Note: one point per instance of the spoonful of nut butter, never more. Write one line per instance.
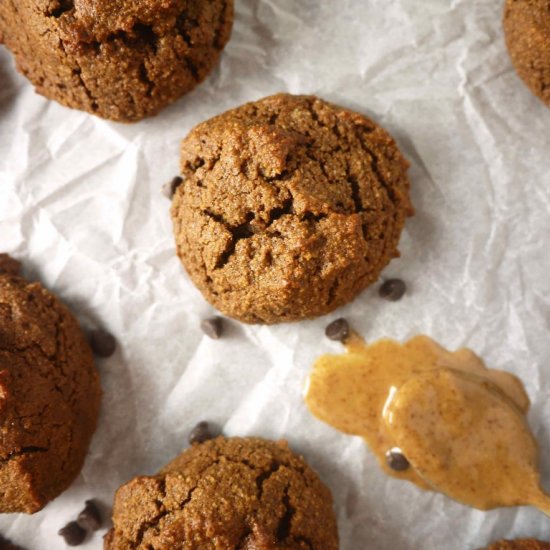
(440, 419)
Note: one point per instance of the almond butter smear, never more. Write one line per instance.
(460, 426)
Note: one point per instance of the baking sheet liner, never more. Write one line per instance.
(80, 204)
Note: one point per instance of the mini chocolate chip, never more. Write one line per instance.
(90, 517)
(396, 460)
(103, 343)
(393, 289)
(213, 327)
(338, 330)
(169, 189)
(9, 265)
(200, 433)
(73, 534)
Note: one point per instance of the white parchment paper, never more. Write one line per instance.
(80, 204)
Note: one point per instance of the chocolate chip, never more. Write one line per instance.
(9, 265)
(103, 343)
(338, 330)
(213, 327)
(90, 517)
(396, 460)
(393, 289)
(200, 433)
(169, 189)
(73, 534)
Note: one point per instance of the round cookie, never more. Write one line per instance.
(290, 207)
(119, 59)
(520, 544)
(226, 494)
(527, 31)
(49, 396)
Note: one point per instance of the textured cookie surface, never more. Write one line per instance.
(49, 396)
(290, 207)
(527, 30)
(522, 544)
(226, 494)
(119, 59)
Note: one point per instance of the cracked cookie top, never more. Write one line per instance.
(527, 31)
(226, 494)
(119, 59)
(290, 207)
(49, 396)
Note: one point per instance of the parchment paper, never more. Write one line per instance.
(80, 204)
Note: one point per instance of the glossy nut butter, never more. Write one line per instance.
(461, 426)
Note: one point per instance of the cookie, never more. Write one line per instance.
(523, 544)
(122, 59)
(290, 207)
(49, 396)
(226, 494)
(527, 31)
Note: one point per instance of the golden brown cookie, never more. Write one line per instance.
(523, 544)
(226, 494)
(290, 207)
(119, 59)
(527, 31)
(49, 396)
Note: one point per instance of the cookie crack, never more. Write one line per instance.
(273, 118)
(351, 179)
(23, 349)
(78, 73)
(355, 193)
(24, 451)
(140, 34)
(265, 476)
(375, 168)
(143, 33)
(33, 345)
(285, 523)
(285, 175)
(165, 512)
(63, 6)
(222, 23)
(246, 229)
(145, 79)
(192, 68)
(238, 233)
(243, 542)
(185, 25)
(241, 462)
(331, 296)
(278, 212)
(312, 217)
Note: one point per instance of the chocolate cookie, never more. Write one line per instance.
(290, 207)
(226, 494)
(523, 544)
(527, 30)
(122, 59)
(49, 396)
